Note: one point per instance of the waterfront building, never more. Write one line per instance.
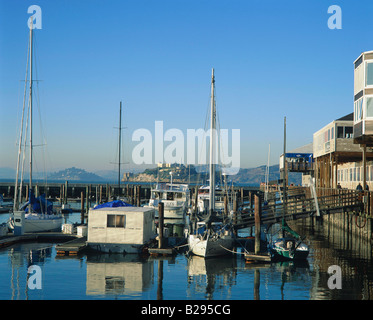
(342, 150)
(363, 99)
(298, 160)
(334, 149)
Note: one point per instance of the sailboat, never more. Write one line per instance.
(290, 245)
(37, 214)
(211, 237)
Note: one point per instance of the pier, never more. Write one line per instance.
(73, 191)
(10, 239)
(301, 203)
(86, 193)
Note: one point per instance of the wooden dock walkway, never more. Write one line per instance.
(72, 247)
(301, 204)
(11, 239)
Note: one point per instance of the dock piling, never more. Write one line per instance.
(160, 224)
(82, 207)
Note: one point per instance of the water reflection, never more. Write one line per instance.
(334, 246)
(105, 276)
(20, 258)
(207, 275)
(116, 274)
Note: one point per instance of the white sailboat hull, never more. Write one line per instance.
(43, 225)
(210, 247)
(40, 223)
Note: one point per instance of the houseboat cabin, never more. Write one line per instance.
(120, 229)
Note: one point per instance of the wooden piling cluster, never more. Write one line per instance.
(66, 191)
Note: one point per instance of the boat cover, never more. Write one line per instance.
(113, 204)
(286, 227)
(39, 204)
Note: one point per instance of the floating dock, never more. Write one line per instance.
(11, 239)
(251, 257)
(72, 247)
(161, 251)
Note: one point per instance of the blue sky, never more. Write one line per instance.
(271, 59)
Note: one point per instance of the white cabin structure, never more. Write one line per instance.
(120, 229)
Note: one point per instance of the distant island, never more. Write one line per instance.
(192, 174)
(180, 174)
(74, 174)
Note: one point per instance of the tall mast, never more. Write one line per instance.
(30, 101)
(267, 176)
(284, 196)
(16, 202)
(120, 142)
(212, 145)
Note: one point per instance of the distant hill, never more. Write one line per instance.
(181, 173)
(74, 174)
(255, 176)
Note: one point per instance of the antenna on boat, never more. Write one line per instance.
(284, 194)
(120, 143)
(267, 176)
(119, 146)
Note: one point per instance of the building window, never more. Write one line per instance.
(115, 221)
(351, 174)
(358, 110)
(358, 174)
(369, 107)
(348, 132)
(369, 74)
(340, 132)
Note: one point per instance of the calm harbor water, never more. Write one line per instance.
(130, 277)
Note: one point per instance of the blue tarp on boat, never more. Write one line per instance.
(39, 204)
(113, 204)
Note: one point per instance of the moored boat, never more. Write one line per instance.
(288, 247)
(212, 241)
(203, 199)
(38, 214)
(213, 236)
(175, 197)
